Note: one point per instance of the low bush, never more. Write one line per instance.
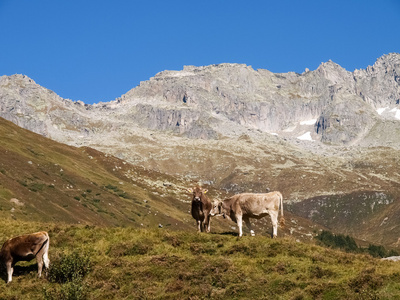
(67, 272)
(69, 267)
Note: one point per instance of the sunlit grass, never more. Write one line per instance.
(160, 264)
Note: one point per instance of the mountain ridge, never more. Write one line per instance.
(177, 101)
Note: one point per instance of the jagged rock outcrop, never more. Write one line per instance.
(329, 104)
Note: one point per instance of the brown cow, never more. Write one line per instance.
(242, 207)
(201, 207)
(25, 248)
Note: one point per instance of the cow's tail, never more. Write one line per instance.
(44, 243)
(282, 219)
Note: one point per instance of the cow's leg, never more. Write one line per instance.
(274, 220)
(240, 224)
(247, 221)
(199, 229)
(39, 259)
(10, 271)
(45, 254)
(46, 259)
(207, 223)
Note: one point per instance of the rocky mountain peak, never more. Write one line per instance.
(16, 78)
(391, 58)
(329, 105)
(334, 73)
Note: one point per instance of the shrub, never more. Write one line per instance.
(377, 251)
(341, 241)
(36, 187)
(124, 195)
(23, 183)
(68, 271)
(69, 268)
(111, 187)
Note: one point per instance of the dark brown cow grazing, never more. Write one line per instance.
(25, 248)
(201, 207)
(242, 207)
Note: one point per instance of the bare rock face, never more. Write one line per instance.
(329, 104)
(196, 101)
(38, 109)
(379, 85)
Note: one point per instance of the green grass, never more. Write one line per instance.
(127, 263)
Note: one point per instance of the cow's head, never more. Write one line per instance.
(197, 193)
(217, 209)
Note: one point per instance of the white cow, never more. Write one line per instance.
(242, 207)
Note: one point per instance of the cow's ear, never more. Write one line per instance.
(205, 191)
(190, 190)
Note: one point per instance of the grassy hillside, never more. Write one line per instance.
(128, 263)
(47, 181)
(361, 214)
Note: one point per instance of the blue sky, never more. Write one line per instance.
(98, 50)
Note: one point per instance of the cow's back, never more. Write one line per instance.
(252, 204)
(23, 245)
(207, 205)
